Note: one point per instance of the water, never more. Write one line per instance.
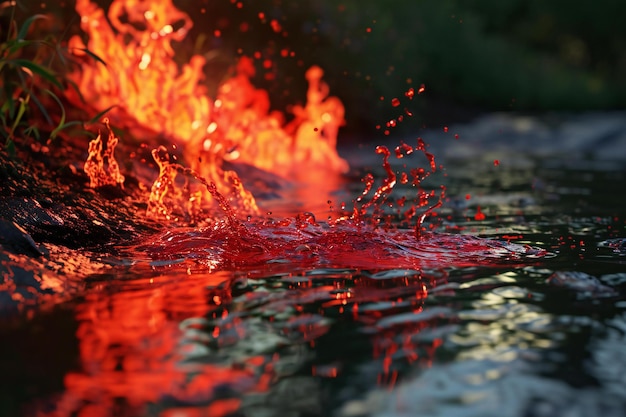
(519, 313)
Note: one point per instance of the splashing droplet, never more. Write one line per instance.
(303, 220)
(479, 216)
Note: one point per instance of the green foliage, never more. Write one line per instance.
(532, 55)
(528, 55)
(28, 81)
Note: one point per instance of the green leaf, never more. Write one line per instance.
(61, 127)
(38, 69)
(6, 106)
(54, 96)
(60, 52)
(15, 46)
(98, 116)
(9, 105)
(77, 90)
(10, 145)
(32, 131)
(62, 124)
(93, 55)
(42, 108)
(21, 35)
(20, 113)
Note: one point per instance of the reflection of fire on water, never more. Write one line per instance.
(145, 90)
(140, 345)
(185, 345)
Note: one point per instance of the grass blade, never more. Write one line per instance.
(93, 55)
(99, 116)
(42, 108)
(21, 35)
(38, 69)
(20, 113)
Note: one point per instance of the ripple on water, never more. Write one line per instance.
(485, 388)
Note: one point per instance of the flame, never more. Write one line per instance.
(165, 195)
(101, 166)
(146, 91)
(141, 79)
(163, 185)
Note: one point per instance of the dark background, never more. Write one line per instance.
(473, 56)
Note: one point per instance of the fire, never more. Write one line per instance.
(166, 196)
(163, 185)
(101, 166)
(146, 91)
(141, 79)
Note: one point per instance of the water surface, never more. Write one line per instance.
(512, 306)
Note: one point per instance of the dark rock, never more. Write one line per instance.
(15, 239)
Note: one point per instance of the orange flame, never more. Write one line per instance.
(101, 166)
(146, 91)
(141, 79)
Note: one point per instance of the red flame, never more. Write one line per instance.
(101, 166)
(146, 91)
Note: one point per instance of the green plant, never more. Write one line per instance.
(28, 81)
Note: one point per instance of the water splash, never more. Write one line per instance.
(375, 205)
(166, 196)
(267, 246)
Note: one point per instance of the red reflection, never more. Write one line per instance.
(137, 347)
(393, 310)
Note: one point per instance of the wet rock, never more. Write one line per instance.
(8, 306)
(617, 245)
(600, 135)
(15, 239)
(583, 284)
(29, 212)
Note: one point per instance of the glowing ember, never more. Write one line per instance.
(101, 166)
(479, 216)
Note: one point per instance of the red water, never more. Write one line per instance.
(353, 240)
(302, 243)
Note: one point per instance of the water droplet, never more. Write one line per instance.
(479, 216)
(305, 219)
